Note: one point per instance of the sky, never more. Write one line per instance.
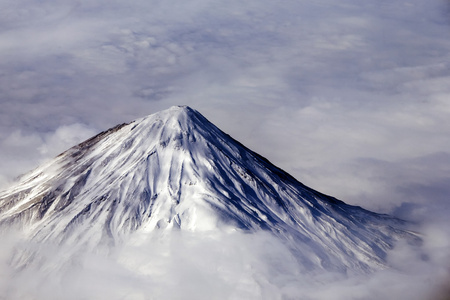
(350, 97)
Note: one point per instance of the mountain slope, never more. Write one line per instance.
(176, 170)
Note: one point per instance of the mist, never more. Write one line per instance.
(215, 265)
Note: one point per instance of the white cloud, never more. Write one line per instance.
(22, 151)
(65, 137)
(181, 265)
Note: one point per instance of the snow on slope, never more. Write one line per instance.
(174, 170)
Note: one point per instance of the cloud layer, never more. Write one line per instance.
(211, 265)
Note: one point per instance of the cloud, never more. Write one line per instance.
(180, 265)
(64, 137)
(20, 150)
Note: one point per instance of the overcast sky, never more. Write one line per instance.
(352, 97)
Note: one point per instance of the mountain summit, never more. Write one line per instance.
(174, 170)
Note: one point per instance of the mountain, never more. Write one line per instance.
(176, 171)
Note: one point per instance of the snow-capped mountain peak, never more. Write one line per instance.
(176, 170)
